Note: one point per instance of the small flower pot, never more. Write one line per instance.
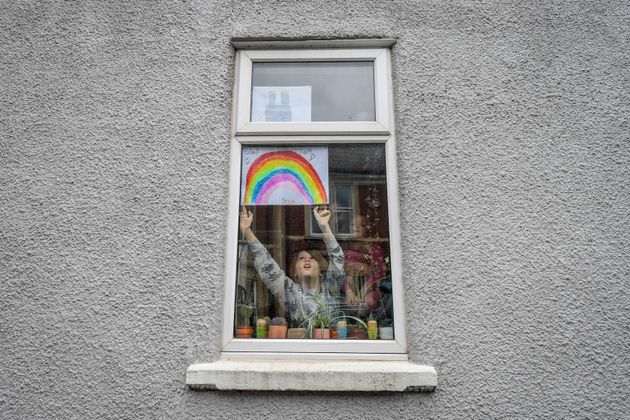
(261, 328)
(386, 333)
(355, 333)
(321, 333)
(372, 329)
(244, 332)
(296, 333)
(277, 331)
(342, 330)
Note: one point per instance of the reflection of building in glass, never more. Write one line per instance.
(275, 112)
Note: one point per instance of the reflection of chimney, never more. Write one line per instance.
(275, 112)
(271, 99)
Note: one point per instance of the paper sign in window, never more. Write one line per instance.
(281, 104)
(284, 176)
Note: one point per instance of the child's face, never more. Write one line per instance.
(306, 265)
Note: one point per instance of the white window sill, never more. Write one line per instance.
(311, 375)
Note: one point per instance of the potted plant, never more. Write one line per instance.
(372, 327)
(297, 331)
(278, 328)
(358, 331)
(334, 335)
(386, 330)
(243, 327)
(342, 329)
(317, 322)
(321, 327)
(261, 328)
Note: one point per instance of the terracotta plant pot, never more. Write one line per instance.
(244, 332)
(277, 331)
(296, 333)
(321, 333)
(355, 333)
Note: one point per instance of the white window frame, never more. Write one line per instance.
(382, 125)
(381, 131)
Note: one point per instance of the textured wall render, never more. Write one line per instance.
(513, 148)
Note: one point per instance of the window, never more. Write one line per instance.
(344, 209)
(313, 225)
(330, 92)
(313, 261)
(343, 219)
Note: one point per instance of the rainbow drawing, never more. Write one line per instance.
(283, 176)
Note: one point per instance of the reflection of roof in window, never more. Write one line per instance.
(357, 159)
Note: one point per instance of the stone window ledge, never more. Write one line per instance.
(311, 375)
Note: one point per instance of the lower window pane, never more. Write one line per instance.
(298, 278)
(344, 221)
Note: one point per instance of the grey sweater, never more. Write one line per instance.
(295, 299)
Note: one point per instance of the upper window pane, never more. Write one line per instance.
(313, 91)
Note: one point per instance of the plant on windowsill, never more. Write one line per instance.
(261, 328)
(386, 330)
(342, 329)
(278, 328)
(372, 327)
(297, 331)
(244, 329)
(318, 322)
(341, 322)
(321, 326)
(358, 331)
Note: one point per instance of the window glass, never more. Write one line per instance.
(292, 283)
(312, 91)
(344, 222)
(343, 196)
(343, 209)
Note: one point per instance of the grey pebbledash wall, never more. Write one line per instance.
(513, 151)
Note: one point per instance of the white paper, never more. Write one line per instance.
(281, 104)
(285, 186)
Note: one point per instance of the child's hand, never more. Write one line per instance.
(246, 219)
(322, 215)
